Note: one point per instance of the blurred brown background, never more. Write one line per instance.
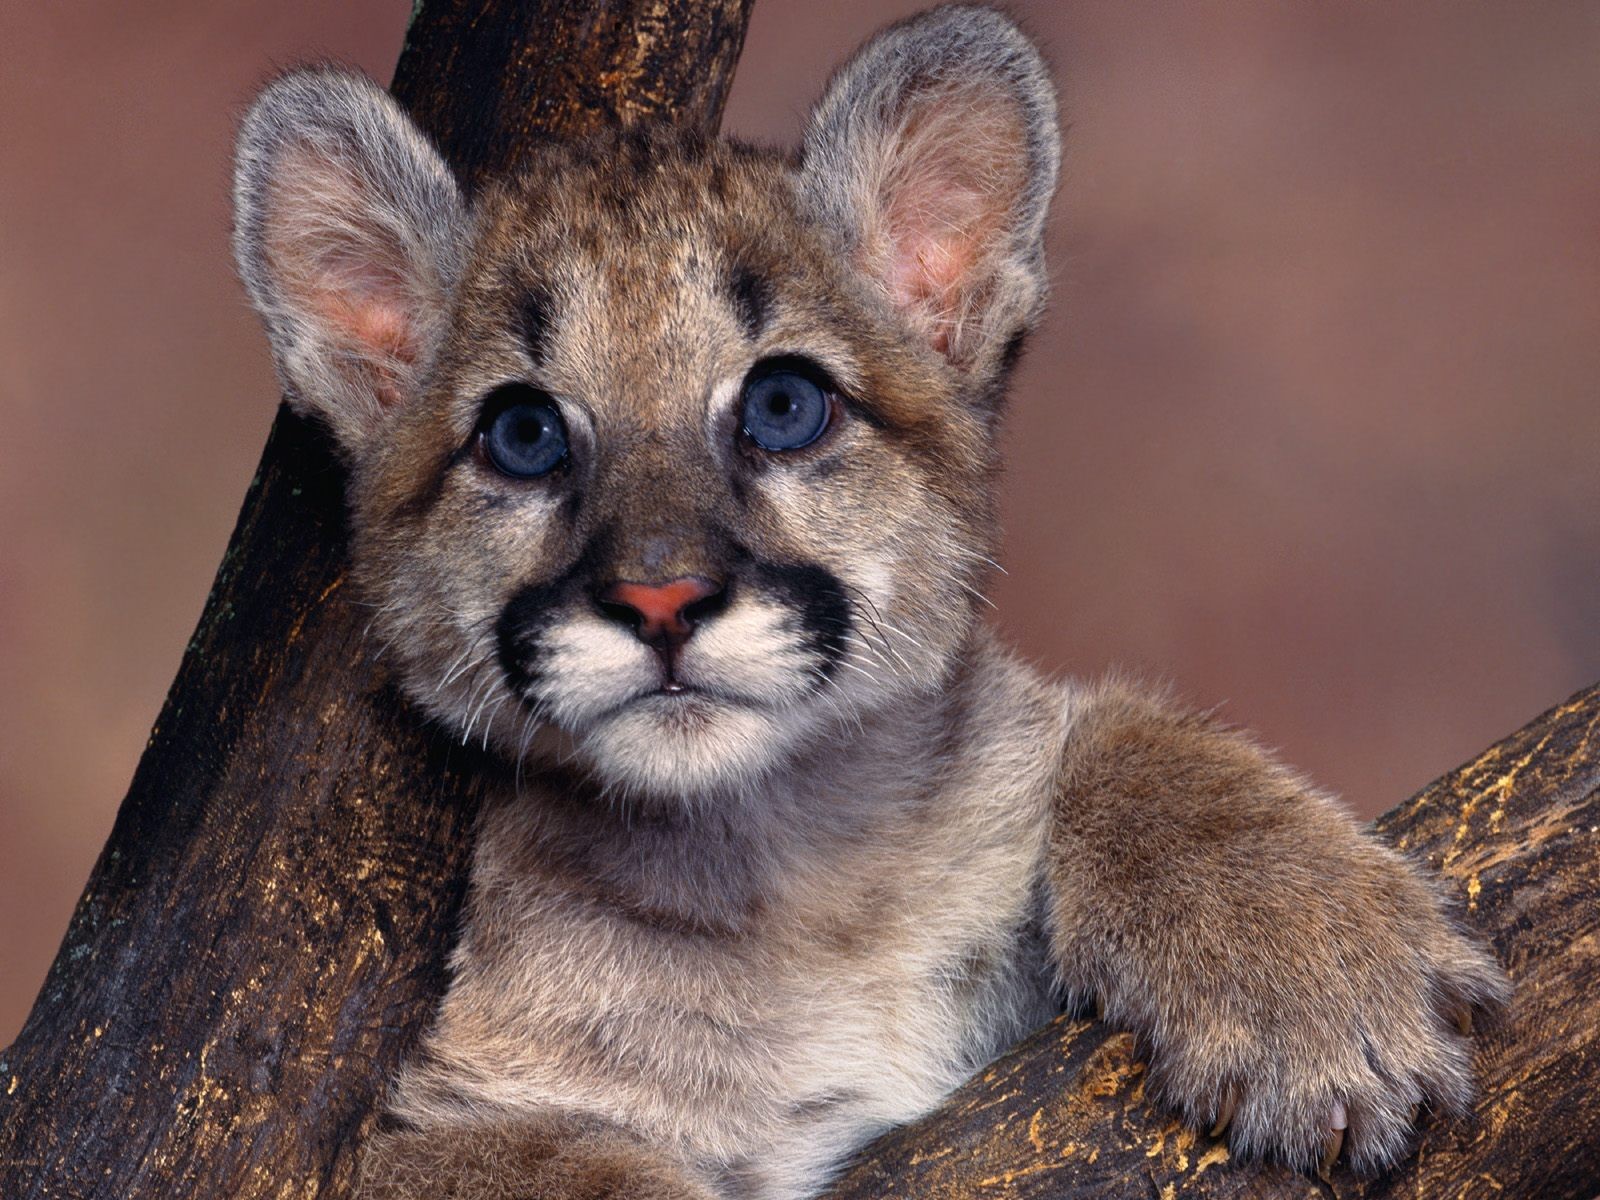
(1314, 427)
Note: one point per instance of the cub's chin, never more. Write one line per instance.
(690, 745)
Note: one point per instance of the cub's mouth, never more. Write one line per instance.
(682, 700)
(664, 616)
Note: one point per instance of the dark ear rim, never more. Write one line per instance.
(345, 118)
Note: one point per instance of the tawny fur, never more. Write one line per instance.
(513, 1160)
(718, 938)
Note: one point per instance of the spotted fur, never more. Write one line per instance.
(720, 934)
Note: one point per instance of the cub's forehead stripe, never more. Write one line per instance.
(534, 313)
(751, 296)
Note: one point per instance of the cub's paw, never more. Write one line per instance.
(556, 1159)
(1323, 1027)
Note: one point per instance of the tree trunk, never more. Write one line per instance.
(265, 933)
(1515, 834)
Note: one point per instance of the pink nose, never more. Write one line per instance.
(664, 612)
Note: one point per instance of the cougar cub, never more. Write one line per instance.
(672, 474)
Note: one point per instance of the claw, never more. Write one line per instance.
(1099, 1008)
(1463, 1019)
(1416, 1111)
(1230, 1101)
(1331, 1145)
(1338, 1121)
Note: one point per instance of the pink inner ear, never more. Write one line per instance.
(363, 306)
(379, 334)
(343, 270)
(925, 274)
(954, 175)
(384, 328)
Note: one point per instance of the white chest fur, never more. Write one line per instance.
(763, 1001)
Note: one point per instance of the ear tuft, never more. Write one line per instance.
(935, 149)
(349, 233)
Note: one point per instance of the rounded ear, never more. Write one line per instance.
(935, 149)
(349, 233)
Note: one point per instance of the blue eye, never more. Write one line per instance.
(785, 409)
(525, 436)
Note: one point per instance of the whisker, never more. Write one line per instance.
(976, 594)
(485, 690)
(456, 667)
(874, 619)
(858, 670)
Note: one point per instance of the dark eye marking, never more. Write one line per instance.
(751, 296)
(787, 403)
(521, 432)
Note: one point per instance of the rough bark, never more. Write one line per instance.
(265, 932)
(1516, 836)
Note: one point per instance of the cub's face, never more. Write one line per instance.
(675, 458)
(655, 376)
